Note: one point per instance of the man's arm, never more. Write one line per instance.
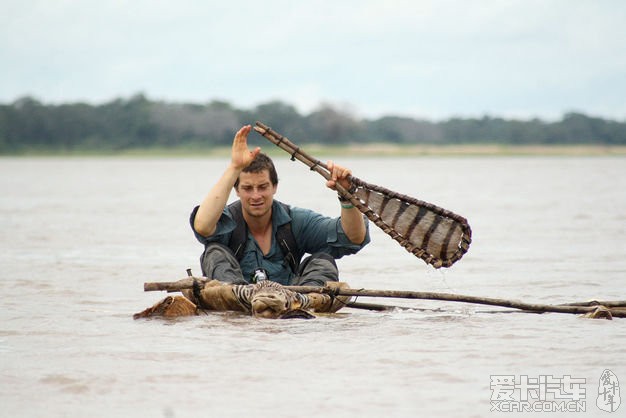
(213, 204)
(352, 221)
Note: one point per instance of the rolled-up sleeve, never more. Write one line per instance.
(224, 228)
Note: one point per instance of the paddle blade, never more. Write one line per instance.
(437, 236)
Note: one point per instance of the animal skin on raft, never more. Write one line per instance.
(266, 299)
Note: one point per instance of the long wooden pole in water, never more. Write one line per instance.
(617, 308)
(450, 297)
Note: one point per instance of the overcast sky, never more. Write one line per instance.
(418, 58)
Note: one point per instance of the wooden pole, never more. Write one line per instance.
(172, 286)
(606, 303)
(408, 294)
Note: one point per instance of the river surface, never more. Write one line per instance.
(80, 236)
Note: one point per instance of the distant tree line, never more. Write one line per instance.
(137, 122)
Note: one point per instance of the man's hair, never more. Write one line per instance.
(260, 163)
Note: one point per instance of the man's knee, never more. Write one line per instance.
(316, 270)
(325, 256)
(316, 260)
(218, 262)
(216, 253)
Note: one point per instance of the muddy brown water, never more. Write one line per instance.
(80, 236)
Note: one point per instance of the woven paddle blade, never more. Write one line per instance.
(437, 236)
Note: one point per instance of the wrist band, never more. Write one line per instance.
(346, 203)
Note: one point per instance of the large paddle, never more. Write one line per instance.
(436, 235)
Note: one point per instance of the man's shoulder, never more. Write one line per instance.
(296, 212)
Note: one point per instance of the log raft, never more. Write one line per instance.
(592, 309)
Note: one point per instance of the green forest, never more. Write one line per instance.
(27, 125)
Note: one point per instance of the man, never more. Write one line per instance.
(258, 237)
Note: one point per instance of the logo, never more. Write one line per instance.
(544, 393)
(608, 392)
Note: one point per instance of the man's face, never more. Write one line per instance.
(256, 192)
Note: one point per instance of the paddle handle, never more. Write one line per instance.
(296, 153)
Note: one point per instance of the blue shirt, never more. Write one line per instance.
(313, 233)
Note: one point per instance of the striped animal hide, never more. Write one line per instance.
(266, 299)
(436, 235)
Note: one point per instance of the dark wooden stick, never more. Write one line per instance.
(450, 297)
(381, 308)
(618, 308)
(605, 303)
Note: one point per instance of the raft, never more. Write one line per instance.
(271, 300)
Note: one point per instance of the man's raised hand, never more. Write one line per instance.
(242, 156)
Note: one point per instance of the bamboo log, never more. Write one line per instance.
(616, 308)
